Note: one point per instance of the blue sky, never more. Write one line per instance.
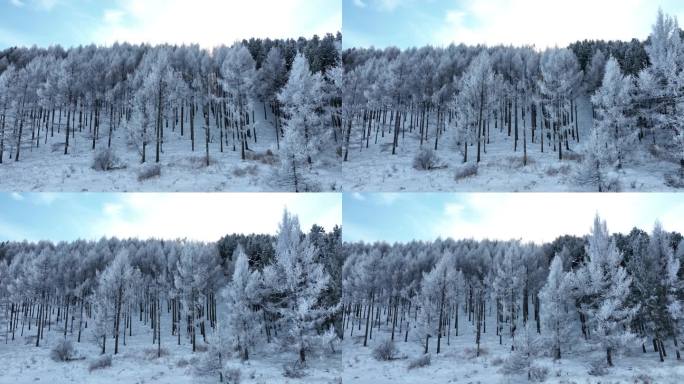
(537, 217)
(69, 216)
(206, 22)
(544, 23)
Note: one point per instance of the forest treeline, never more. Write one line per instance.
(232, 297)
(85, 95)
(525, 95)
(610, 292)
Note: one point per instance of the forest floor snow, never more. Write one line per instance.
(500, 170)
(21, 362)
(47, 169)
(457, 362)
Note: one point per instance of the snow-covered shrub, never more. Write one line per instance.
(268, 157)
(563, 169)
(106, 159)
(247, 170)
(149, 171)
(294, 370)
(385, 351)
(419, 362)
(329, 340)
(208, 364)
(426, 159)
(232, 375)
(538, 374)
(643, 378)
(153, 353)
(100, 363)
(598, 368)
(496, 361)
(63, 351)
(182, 363)
(472, 353)
(675, 179)
(573, 156)
(464, 171)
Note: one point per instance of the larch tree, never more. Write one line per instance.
(298, 280)
(611, 101)
(556, 316)
(241, 298)
(606, 287)
(238, 72)
(301, 99)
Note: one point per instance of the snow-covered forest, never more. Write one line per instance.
(248, 308)
(259, 115)
(596, 116)
(601, 308)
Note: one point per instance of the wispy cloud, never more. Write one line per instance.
(539, 217)
(211, 23)
(210, 216)
(544, 23)
(42, 5)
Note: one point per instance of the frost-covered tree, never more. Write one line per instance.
(114, 292)
(560, 78)
(298, 281)
(611, 101)
(595, 72)
(658, 285)
(606, 286)
(301, 99)
(507, 286)
(556, 314)
(436, 289)
(473, 101)
(238, 72)
(241, 298)
(661, 83)
(596, 168)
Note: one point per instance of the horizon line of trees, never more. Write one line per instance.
(47, 96)
(285, 287)
(606, 292)
(528, 97)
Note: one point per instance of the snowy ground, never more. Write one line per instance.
(375, 169)
(137, 362)
(47, 169)
(457, 362)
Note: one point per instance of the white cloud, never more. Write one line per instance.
(211, 23)
(209, 216)
(46, 198)
(358, 196)
(46, 5)
(388, 198)
(113, 16)
(542, 217)
(360, 3)
(42, 5)
(112, 209)
(17, 196)
(545, 23)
